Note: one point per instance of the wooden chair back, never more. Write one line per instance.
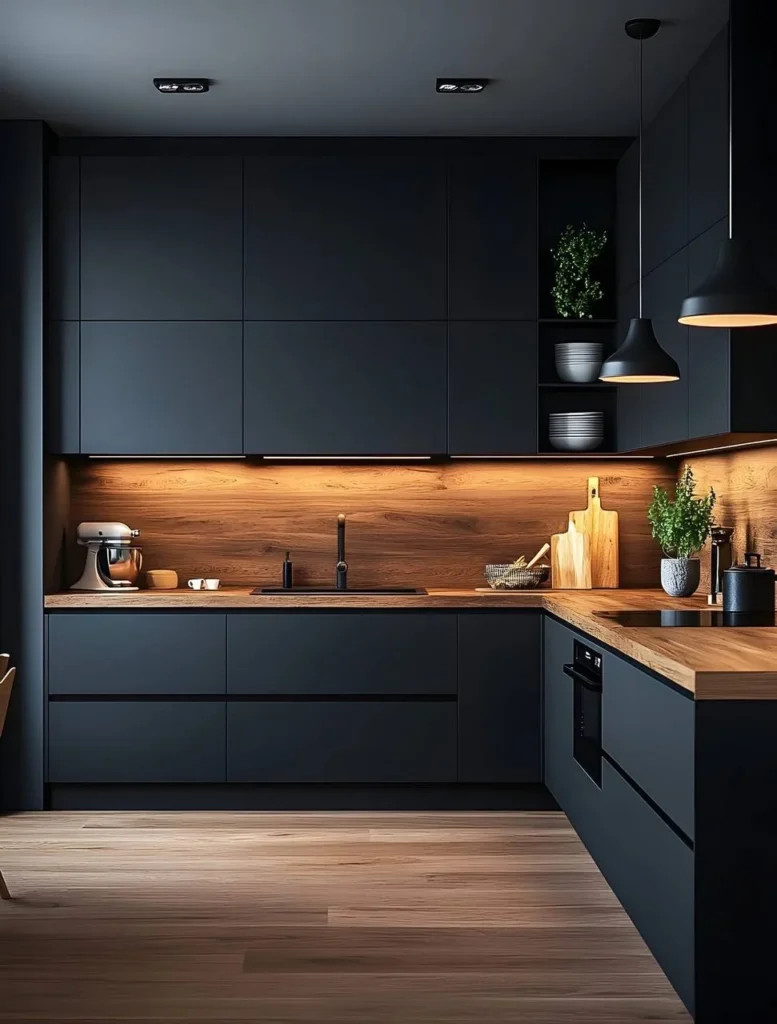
(6, 684)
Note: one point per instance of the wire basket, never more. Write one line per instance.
(502, 577)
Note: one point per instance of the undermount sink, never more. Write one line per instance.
(333, 590)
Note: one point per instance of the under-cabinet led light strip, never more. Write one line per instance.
(171, 458)
(551, 455)
(723, 448)
(346, 458)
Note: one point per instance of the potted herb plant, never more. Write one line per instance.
(574, 289)
(681, 527)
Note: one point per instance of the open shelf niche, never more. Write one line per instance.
(575, 192)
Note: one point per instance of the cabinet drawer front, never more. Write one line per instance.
(342, 653)
(136, 742)
(341, 742)
(136, 653)
(648, 729)
(651, 871)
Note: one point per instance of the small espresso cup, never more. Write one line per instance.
(211, 584)
(196, 584)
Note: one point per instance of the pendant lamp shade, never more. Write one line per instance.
(640, 359)
(734, 295)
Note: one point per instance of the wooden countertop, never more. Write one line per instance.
(713, 664)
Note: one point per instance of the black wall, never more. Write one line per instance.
(22, 158)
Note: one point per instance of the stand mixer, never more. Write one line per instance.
(113, 561)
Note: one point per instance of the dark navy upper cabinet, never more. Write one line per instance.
(499, 697)
(345, 237)
(492, 238)
(161, 238)
(709, 380)
(62, 383)
(629, 408)
(665, 406)
(345, 389)
(708, 138)
(62, 229)
(161, 388)
(665, 181)
(626, 233)
(482, 357)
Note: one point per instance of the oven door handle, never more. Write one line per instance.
(583, 679)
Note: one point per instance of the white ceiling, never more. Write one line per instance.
(342, 67)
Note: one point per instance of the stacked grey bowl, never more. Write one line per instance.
(579, 362)
(576, 431)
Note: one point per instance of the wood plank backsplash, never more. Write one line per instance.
(415, 525)
(745, 482)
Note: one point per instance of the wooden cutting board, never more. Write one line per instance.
(570, 559)
(602, 529)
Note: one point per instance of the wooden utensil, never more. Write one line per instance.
(543, 550)
(602, 530)
(570, 559)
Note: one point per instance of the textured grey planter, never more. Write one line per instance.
(680, 576)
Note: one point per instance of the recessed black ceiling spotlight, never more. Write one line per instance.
(182, 84)
(461, 84)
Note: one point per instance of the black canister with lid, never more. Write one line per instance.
(748, 587)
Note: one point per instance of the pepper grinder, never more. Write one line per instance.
(721, 558)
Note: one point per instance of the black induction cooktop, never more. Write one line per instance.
(675, 617)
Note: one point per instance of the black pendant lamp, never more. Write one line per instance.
(735, 294)
(640, 359)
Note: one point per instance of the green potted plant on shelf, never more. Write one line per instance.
(574, 290)
(681, 527)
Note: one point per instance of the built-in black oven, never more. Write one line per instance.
(586, 674)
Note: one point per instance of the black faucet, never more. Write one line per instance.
(342, 566)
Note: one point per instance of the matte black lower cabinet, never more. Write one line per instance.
(136, 742)
(347, 742)
(649, 866)
(651, 871)
(113, 653)
(499, 697)
(341, 653)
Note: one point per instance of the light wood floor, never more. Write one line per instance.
(316, 918)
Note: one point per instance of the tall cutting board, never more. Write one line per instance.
(602, 530)
(570, 559)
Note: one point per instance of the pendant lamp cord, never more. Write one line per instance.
(640, 177)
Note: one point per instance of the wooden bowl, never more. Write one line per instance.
(161, 579)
